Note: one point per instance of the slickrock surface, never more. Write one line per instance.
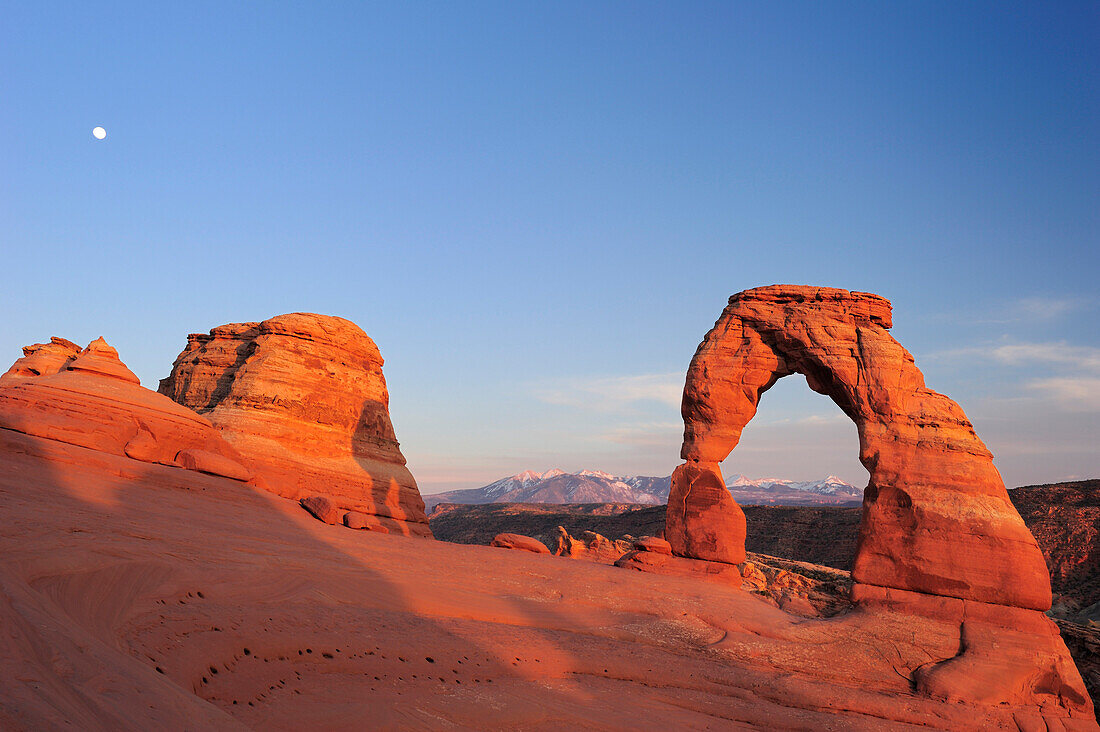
(140, 596)
(1063, 517)
(939, 537)
(303, 397)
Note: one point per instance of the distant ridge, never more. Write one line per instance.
(596, 486)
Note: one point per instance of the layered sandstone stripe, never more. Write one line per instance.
(91, 399)
(303, 397)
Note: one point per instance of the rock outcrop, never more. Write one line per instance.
(652, 544)
(304, 398)
(939, 536)
(937, 517)
(592, 546)
(520, 542)
(703, 520)
(89, 398)
(42, 359)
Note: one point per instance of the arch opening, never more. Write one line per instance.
(800, 437)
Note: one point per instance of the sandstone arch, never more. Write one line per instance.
(936, 516)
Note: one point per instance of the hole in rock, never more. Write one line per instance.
(801, 440)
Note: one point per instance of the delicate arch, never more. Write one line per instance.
(936, 516)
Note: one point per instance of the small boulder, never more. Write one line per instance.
(518, 541)
(356, 520)
(652, 544)
(205, 461)
(567, 545)
(322, 508)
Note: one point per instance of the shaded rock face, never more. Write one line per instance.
(304, 398)
(87, 397)
(938, 536)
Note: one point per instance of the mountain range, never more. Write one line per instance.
(595, 486)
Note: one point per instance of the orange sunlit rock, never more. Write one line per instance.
(94, 401)
(518, 541)
(304, 398)
(938, 530)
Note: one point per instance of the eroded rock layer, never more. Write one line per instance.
(937, 530)
(89, 398)
(304, 398)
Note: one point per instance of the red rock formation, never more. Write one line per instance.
(937, 517)
(304, 398)
(667, 564)
(937, 521)
(43, 359)
(591, 546)
(652, 544)
(703, 521)
(92, 400)
(518, 541)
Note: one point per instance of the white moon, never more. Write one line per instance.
(99, 133)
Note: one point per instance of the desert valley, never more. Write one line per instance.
(247, 549)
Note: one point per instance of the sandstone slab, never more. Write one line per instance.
(652, 544)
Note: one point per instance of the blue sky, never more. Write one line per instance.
(538, 209)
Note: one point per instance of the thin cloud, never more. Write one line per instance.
(1045, 308)
(1019, 354)
(613, 393)
(1084, 357)
(1033, 309)
(647, 434)
(810, 420)
(1072, 393)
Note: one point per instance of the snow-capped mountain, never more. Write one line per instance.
(557, 486)
(596, 486)
(830, 486)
